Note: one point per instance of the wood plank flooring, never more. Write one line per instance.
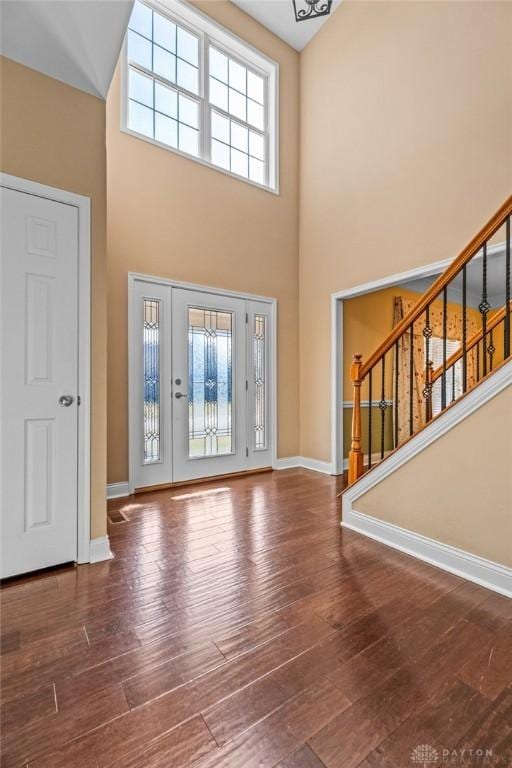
(239, 626)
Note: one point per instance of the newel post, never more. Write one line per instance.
(355, 457)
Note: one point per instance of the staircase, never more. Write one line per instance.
(401, 371)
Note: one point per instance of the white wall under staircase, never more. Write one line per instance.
(446, 495)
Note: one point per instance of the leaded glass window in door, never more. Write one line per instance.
(151, 368)
(210, 382)
(259, 368)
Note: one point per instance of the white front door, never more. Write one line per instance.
(200, 384)
(208, 384)
(39, 381)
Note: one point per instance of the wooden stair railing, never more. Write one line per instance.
(415, 329)
(494, 322)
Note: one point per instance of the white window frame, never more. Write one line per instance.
(209, 32)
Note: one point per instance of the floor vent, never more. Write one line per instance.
(117, 517)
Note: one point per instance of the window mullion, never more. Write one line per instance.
(269, 128)
(163, 81)
(238, 120)
(205, 142)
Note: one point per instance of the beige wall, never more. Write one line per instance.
(55, 134)
(459, 489)
(406, 150)
(170, 216)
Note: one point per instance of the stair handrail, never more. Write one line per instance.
(494, 321)
(487, 231)
(359, 370)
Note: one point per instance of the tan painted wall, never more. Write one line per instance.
(458, 490)
(55, 134)
(367, 320)
(170, 216)
(406, 150)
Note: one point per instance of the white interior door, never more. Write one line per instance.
(39, 380)
(209, 390)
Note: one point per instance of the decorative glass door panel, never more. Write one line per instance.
(151, 364)
(209, 350)
(150, 385)
(210, 382)
(259, 373)
(259, 410)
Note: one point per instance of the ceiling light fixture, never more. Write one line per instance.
(311, 9)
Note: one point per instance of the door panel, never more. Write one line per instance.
(209, 384)
(39, 295)
(259, 390)
(150, 424)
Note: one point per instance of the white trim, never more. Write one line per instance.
(273, 384)
(207, 30)
(131, 388)
(316, 465)
(118, 490)
(472, 567)
(100, 550)
(133, 277)
(290, 462)
(303, 462)
(336, 386)
(337, 299)
(83, 206)
(436, 267)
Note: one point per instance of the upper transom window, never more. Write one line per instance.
(193, 87)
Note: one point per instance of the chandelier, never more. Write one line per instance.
(311, 9)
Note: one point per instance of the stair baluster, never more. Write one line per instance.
(480, 346)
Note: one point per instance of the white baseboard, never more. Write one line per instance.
(117, 490)
(100, 550)
(303, 462)
(120, 490)
(472, 567)
(290, 462)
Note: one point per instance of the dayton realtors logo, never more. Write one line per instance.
(426, 755)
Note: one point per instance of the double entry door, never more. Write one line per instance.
(200, 384)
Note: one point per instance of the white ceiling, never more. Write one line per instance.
(279, 17)
(76, 41)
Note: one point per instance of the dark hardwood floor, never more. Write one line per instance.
(238, 626)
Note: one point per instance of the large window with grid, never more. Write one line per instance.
(192, 87)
